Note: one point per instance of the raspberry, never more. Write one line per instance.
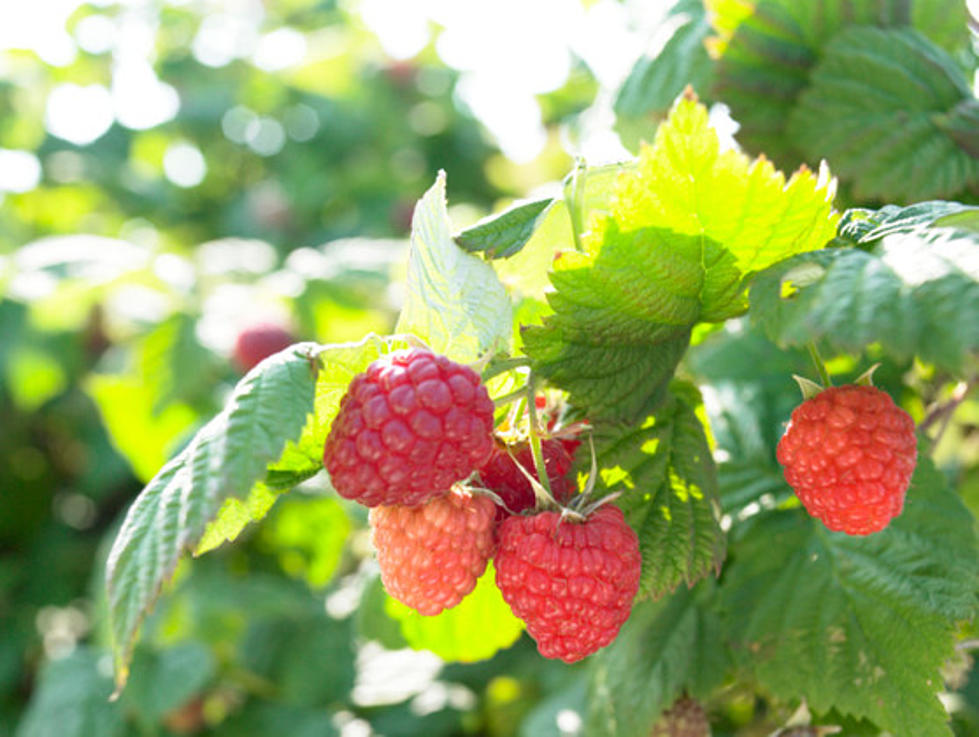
(501, 474)
(686, 718)
(432, 554)
(848, 454)
(572, 583)
(408, 428)
(257, 342)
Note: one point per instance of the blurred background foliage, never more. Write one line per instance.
(170, 174)
(174, 172)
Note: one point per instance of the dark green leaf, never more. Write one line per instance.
(310, 660)
(875, 107)
(912, 293)
(858, 624)
(270, 406)
(655, 80)
(506, 233)
(664, 648)
(72, 699)
(860, 227)
(259, 719)
(664, 469)
(766, 50)
(165, 680)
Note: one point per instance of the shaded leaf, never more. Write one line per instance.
(656, 79)
(664, 648)
(873, 107)
(910, 293)
(664, 469)
(861, 227)
(765, 50)
(72, 700)
(504, 234)
(165, 680)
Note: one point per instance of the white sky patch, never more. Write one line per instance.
(513, 118)
(224, 37)
(96, 34)
(402, 28)
(184, 165)
(140, 99)
(20, 171)
(279, 49)
(78, 114)
(40, 27)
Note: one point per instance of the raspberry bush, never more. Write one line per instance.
(704, 538)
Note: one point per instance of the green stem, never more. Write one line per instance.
(820, 366)
(503, 366)
(535, 445)
(512, 396)
(574, 189)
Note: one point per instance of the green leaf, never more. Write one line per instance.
(310, 660)
(858, 624)
(656, 79)
(234, 516)
(269, 406)
(765, 51)
(260, 719)
(664, 469)
(962, 126)
(860, 227)
(308, 535)
(373, 621)
(454, 302)
(504, 234)
(683, 229)
(664, 648)
(474, 630)
(174, 364)
(163, 681)
(912, 293)
(301, 459)
(867, 79)
(71, 699)
(143, 435)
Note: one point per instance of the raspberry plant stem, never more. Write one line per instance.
(502, 366)
(820, 366)
(535, 446)
(511, 397)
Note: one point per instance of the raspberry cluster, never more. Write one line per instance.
(410, 428)
(848, 453)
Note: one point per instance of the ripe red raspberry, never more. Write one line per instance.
(501, 474)
(408, 428)
(848, 454)
(257, 342)
(432, 554)
(572, 583)
(686, 718)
